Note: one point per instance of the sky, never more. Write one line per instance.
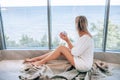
(14, 3)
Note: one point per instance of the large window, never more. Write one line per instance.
(63, 19)
(25, 24)
(113, 38)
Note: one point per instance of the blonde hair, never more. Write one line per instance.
(82, 24)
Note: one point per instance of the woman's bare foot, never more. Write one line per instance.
(38, 63)
(28, 60)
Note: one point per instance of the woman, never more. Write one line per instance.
(79, 55)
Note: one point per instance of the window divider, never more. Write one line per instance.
(106, 21)
(2, 36)
(49, 24)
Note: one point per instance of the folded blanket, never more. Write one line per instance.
(100, 70)
(62, 70)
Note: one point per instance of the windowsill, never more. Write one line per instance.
(96, 51)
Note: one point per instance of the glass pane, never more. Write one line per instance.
(63, 19)
(25, 24)
(113, 38)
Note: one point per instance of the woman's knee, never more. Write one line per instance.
(62, 47)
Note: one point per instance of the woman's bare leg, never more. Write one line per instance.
(61, 50)
(37, 58)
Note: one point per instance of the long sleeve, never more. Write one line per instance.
(81, 46)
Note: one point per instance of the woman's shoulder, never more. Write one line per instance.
(86, 36)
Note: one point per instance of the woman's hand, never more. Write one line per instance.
(63, 36)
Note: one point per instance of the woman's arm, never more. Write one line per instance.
(69, 44)
(65, 38)
(82, 45)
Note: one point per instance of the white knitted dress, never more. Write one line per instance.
(83, 51)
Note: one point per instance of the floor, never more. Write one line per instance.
(9, 70)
